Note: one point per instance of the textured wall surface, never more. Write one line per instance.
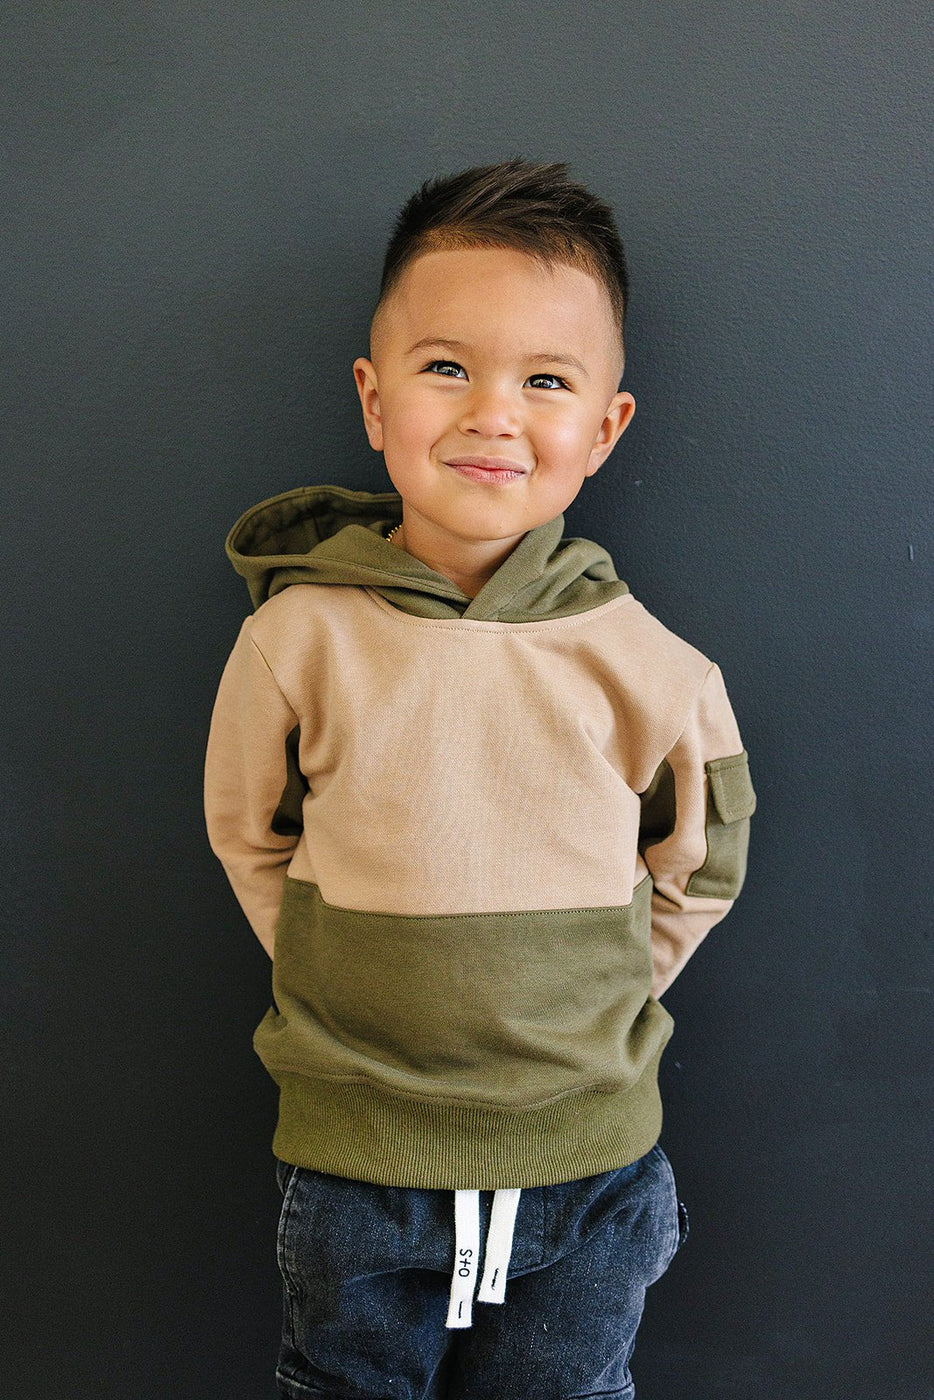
(196, 198)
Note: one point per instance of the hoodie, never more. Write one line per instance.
(479, 838)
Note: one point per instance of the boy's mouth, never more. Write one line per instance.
(487, 468)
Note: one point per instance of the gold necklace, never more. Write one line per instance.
(393, 530)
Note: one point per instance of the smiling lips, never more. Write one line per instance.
(487, 468)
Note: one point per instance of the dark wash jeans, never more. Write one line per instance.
(366, 1274)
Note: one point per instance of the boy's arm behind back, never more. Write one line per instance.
(695, 830)
(252, 784)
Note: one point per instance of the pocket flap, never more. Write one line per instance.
(731, 787)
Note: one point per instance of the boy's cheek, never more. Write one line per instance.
(413, 429)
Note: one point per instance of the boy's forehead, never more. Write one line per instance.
(479, 293)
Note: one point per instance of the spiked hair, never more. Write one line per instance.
(536, 209)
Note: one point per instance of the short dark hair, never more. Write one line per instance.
(534, 208)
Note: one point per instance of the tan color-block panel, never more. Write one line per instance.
(464, 766)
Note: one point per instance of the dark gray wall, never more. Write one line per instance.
(196, 198)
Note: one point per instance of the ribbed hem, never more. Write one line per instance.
(359, 1131)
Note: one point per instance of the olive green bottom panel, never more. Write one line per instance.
(359, 1130)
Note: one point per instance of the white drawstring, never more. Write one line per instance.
(498, 1246)
(467, 1247)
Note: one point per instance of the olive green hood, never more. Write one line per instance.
(329, 534)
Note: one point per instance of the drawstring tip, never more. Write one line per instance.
(492, 1292)
(459, 1315)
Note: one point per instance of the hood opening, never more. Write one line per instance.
(331, 534)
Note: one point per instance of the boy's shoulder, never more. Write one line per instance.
(654, 633)
(294, 614)
(662, 673)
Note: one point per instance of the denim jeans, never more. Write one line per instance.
(366, 1273)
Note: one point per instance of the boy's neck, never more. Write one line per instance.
(469, 565)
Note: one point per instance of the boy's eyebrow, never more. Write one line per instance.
(553, 357)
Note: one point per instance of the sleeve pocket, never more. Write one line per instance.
(731, 801)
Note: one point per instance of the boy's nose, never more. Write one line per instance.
(491, 413)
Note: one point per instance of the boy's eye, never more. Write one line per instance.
(553, 377)
(443, 366)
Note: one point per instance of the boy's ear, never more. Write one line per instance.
(364, 373)
(616, 421)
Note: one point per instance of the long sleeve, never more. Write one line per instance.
(695, 830)
(252, 785)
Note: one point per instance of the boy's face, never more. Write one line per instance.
(482, 353)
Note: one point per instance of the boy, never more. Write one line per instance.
(480, 807)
